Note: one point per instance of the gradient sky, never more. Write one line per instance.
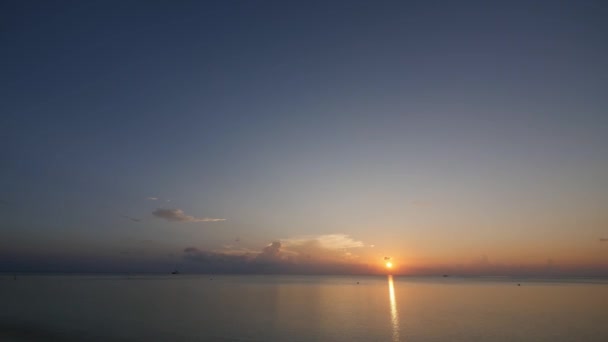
(256, 136)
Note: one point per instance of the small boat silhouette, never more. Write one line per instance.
(175, 271)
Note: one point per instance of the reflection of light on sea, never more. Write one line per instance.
(394, 313)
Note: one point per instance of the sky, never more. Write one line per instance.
(465, 137)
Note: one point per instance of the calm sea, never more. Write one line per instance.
(300, 308)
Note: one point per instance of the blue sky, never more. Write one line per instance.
(437, 132)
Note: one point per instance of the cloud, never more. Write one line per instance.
(195, 254)
(270, 253)
(333, 248)
(330, 241)
(306, 257)
(313, 254)
(310, 253)
(131, 218)
(178, 215)
(232, 249)
(603, 239)
(152, 198)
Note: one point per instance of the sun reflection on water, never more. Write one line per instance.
(394, 313)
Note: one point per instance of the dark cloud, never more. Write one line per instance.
(603, 239)
(178, 215)
(386, 258)
(17, 330)
(215, 259)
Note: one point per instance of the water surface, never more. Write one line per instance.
(300, 308)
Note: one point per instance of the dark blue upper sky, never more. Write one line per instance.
(293, 119)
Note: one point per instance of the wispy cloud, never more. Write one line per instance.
(603, 239)
(152, 198)
(131, 218)
(178, 215)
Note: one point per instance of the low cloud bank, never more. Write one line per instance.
(324, 254)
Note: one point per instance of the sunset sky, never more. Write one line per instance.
(461, 137)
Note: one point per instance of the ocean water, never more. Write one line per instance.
(300, 308)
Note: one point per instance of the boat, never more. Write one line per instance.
(175, 271)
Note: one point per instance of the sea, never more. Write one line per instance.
(301, 308)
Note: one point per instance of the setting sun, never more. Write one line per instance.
(389, 264)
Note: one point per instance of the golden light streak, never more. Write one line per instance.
(394, 313)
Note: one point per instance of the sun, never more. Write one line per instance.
(389, 264)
